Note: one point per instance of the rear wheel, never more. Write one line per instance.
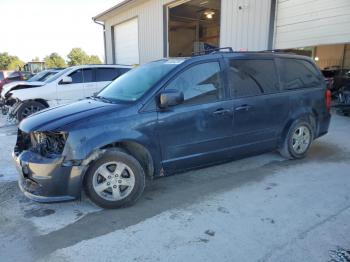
(28, 108)
(298, 140)
(115, 180)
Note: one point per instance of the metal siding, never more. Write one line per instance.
(150, 15)
(312, 22)
(247, 28)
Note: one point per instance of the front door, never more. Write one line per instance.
(67, 93)
(198, 131)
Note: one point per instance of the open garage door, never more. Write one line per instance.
(193, 26)
(312, 23)
(126, 42)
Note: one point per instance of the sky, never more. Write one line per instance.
(37, 28)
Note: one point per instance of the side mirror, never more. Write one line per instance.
(66, 80)
(170, 97)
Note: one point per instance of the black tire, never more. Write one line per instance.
(287, 150)
(126, 159)
(27, 108)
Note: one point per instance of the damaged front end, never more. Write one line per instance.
(45, 176)
(6, 102)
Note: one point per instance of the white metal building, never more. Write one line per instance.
(138, 31)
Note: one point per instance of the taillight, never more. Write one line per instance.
(328, 99)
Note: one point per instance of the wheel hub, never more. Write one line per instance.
(301, 139)
(113, 181)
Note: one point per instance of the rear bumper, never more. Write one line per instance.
(46, 180)
(323, 125)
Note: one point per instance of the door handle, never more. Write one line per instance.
(243, 108)
(221, 111)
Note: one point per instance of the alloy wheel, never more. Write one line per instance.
(301, 139)
(113, 181)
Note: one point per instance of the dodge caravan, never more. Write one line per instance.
(169, 116)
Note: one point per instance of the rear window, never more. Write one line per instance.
(298, 73)
(252, 77)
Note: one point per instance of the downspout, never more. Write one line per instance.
(104, 37)
(273, 15)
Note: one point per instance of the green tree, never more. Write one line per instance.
(8, 62)
(77, 57)
(54, 60)
(94, 59)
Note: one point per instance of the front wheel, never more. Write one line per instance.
(115, 180)
(298, 140)
(28, 108)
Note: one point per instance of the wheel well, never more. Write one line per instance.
(311, 118)
(138, 151)
(41, 101)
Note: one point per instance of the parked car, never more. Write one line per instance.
(343, 105)
(44, 75)
(169, 116)
(336, 78)
(39, 79)
(70, 84)
(13, 76)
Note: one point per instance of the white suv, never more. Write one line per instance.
(67, 86)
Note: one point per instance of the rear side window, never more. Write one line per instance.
(252, 77)
(298, 73)
(200, 84)
(106, 74)
(88, 75)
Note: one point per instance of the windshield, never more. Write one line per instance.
(42, 76)
(132, 85)
(58, 75)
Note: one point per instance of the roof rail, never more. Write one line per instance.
(212, 51)
(230, 50)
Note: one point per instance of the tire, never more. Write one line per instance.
(28, 108)
(296, 146)
(114, 180)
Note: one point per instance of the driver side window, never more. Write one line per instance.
(77, 76)
(200, 84)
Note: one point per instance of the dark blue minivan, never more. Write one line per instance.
(169, 116)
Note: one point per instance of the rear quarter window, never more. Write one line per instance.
(298, 73)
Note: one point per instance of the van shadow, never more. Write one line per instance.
(178, 191)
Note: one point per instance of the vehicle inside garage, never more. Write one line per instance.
(193, 26)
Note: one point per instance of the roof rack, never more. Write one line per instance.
(212, 51)
(230, 50)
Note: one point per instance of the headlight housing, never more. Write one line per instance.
(48, 144)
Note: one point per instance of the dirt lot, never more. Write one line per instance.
(262, 208)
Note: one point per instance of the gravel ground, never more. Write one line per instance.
(262, 208)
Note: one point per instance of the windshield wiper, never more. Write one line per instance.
(101, 98)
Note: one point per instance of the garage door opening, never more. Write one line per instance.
(193, 26)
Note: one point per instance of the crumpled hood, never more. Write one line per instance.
(59, 118)
(10, 86)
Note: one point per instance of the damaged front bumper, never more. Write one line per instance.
(47, 179)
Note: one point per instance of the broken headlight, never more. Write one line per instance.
(48, 144)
